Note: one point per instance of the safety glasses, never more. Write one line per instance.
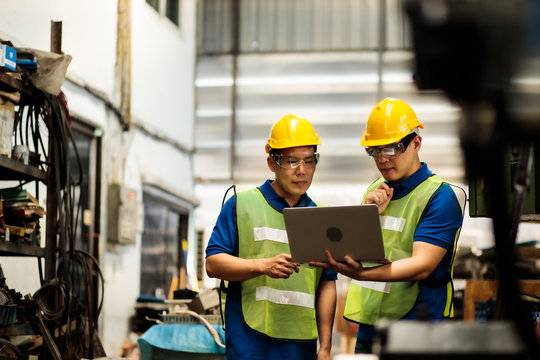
(292, 161)
(391, 151)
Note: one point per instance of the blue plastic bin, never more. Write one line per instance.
(180, 341)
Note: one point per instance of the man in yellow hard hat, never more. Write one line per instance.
(274, 308)
(421, 216)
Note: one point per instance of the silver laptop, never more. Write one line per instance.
(354, 230)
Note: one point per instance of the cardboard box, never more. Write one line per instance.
(204, 301)
(8, 57)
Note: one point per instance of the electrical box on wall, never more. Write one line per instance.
(123, 215)
(479, 192)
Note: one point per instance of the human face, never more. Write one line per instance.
(291, 183)
(405, 161)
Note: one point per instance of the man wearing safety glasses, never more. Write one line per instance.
(274, 307)
(421, 216)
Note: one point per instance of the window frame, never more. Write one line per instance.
(162, 8)
(171, 204)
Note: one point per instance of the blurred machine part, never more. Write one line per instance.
(448, 340)
(483, 54)
(514, 154)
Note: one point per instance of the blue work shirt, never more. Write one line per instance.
(442, 219)
(242, 342)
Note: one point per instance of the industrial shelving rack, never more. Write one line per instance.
(13, 170)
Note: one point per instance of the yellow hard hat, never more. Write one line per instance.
(291, 131)
(390, 121)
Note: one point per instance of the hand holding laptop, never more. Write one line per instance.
(349, 267)
(353, 230)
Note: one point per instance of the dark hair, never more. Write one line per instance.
(407, 140)
(273, 152)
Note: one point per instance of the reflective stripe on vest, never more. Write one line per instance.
(266, 233)
(461, 196)
(399, 221)
(285, 297)
(279, 308)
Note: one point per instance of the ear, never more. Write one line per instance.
(271, 164)
(417, 143)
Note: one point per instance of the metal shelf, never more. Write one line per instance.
(8, 248)
(9, 82)
(16, 170)
(13, 170)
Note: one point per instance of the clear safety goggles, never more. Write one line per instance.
(293, 161)
(391, 151)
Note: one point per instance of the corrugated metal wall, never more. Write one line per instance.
(327, 61)
(302, 25)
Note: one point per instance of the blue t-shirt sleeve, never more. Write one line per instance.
(328, 275)
(223, 237)
(442, 219)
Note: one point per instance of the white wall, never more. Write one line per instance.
(162, 54)
(162, 102)
(88, 33)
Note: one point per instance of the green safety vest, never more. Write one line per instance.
(399, 221)
(279, 308)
